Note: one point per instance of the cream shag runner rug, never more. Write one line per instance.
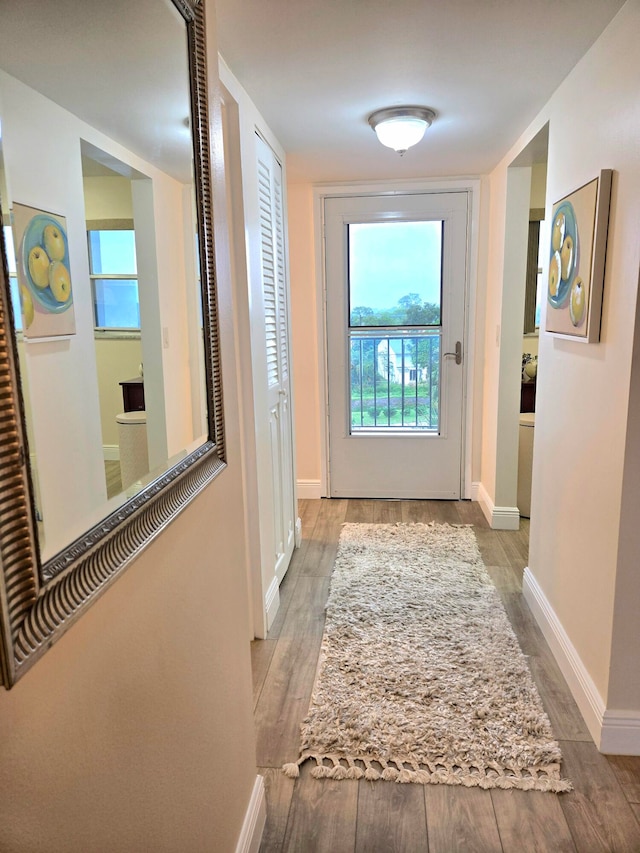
(421, 678)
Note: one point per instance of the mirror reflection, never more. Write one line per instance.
(97, 194)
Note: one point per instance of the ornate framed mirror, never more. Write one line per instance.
(107, 270)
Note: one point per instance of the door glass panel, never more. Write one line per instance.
(395, 273)
(395, 279)
(395, 381)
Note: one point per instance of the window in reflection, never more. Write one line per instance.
(13, 278)
(113, 271)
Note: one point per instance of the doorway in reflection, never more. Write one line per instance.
(113, 273)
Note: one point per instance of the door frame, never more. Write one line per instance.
(391, 188)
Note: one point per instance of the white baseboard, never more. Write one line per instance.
(588, 699)
(309, 490)
(272, 601)
(620, 733)
(612, 731)
(111, 452)
(254, 820)
(499, 517)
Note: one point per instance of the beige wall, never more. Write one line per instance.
(538, 185)
(304, 323)
(583, 390)
(135, 731)
(530, 344)
(107, 198)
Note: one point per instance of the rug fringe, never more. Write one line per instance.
(336, 767)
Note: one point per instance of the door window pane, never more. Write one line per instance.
(395, 381)
(395, 273)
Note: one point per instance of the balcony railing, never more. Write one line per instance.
(395, 380)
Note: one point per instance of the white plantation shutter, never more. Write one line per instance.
(283, 340)
(268, 271)
(274, 283)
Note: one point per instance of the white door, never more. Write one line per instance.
(396, 269)
(276, 320)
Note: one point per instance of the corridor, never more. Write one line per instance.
(310, 816)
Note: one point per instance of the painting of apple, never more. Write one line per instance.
(566, 257)
(577, 301)
(577, 252)
(39, 266)
(554, 274)
(26, 303)
(54, 242)
(557, 236)
(59, 281)
(43, 266)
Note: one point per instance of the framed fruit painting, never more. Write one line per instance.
(577, 251)
(42, 262)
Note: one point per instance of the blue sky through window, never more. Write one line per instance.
(389, 260)
(13, 277)
(113, 252)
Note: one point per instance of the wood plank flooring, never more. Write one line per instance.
(312, 816)
(112, 476)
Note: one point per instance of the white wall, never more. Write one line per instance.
(511, 317)
(134, 732)
(582, 549)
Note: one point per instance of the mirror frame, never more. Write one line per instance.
(39, 602)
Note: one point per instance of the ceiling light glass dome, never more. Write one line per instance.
(401, 127)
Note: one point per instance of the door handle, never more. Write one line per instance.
(457, 354)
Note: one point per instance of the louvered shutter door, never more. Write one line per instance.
(269, 289)
(283, 336)
(275, 304)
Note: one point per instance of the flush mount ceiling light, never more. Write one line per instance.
(401, 127)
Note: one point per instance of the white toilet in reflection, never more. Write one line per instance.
(132, 440)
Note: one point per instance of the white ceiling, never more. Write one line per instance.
(122, 66)
(316, 69)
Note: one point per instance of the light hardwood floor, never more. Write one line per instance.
(112, 476)
(310, 816)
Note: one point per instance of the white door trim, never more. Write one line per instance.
(472, 187)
